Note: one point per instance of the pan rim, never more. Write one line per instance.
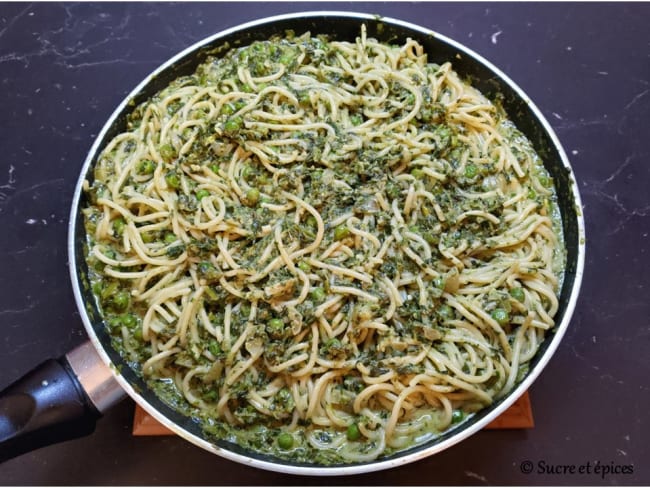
(285, 466)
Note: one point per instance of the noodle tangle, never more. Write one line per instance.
(329, 251)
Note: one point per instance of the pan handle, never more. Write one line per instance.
(59, 400)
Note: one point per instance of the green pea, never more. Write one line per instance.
(138, 334)
(118, 226)
(353, 432)
(169, 238)
(214, 168)
(417, 173)
(471, 171)
(341, 232)
(501, 315)
(233, 124)
(173, 180)
(304, 266)
(121, 300)
(262, 179)
(129, 320)
(285, 441)
(228, 108)
(457, 416)
(518, 294)
(545, 181)
(532, 194)
(252, 197)
(356, 119)
(167, 152)
(246, 88)
(286, 59)
(304, 98)
(115, 323)
(276, 324)
(202, 193)
(146, 167)
(318, 294)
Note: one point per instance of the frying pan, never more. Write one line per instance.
(63, 398)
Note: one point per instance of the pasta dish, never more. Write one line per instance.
(325, 251)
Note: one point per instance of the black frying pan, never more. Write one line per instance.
(63, 398)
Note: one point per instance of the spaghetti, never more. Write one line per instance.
(328, 251)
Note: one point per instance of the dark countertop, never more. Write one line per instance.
(65, 67)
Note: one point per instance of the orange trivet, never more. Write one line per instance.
(518, 416)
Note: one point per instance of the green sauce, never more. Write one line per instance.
(330, 185)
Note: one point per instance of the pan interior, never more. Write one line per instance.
(345, 27)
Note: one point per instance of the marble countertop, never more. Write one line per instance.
(65, 67)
